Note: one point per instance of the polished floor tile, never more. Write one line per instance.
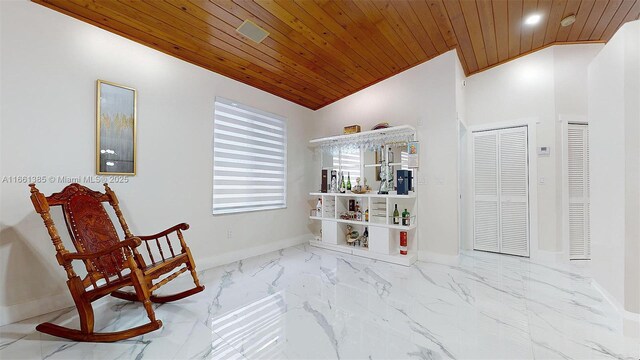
(308, 303)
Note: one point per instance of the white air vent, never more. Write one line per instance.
(252, 31)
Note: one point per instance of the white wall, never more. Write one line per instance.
(614, 135)
(542, 86)
(425, 97)
(49, 66)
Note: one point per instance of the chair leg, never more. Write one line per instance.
(192, 268)
(84, 307)
(143, 292)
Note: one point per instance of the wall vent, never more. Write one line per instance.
(252, 31)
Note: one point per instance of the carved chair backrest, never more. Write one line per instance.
(89, 225)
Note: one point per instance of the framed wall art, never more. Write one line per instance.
(115, 129)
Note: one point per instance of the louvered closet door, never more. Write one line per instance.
(514, 191)
(486, 201)
(578, 159)
(501, 191)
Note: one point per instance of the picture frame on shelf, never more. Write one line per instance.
(116, 125)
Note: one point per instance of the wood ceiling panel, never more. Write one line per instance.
(571, 9)
(485, 12)
(403, 12)
(606, 17)
(472, 19)
(354, 21)
(628, 11)
(515, 26)
(319, 51)
(501, 13)
(462, 34)
(593, 19)
(423, 13)
(553, 24)
(415, 38)
(540, 29)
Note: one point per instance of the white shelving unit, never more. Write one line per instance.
(384, 235)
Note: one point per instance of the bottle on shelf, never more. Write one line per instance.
(366, 215)
(348, 182)
(405, 218)
(403, 243)
(343, 186)
(319, 207)
(396, 216)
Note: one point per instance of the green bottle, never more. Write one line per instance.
(405, 218)
(396, 216)
(348, 182)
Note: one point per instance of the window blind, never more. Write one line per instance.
(349, 163)
(249, 159)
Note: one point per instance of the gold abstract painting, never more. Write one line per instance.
(116, 129)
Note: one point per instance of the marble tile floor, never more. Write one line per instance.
(307, 303)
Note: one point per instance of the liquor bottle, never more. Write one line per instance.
(366, 215)
(343, 186)
(405, 218)
(319, 207)
(403, 243)
(348, 182)
(396, 216)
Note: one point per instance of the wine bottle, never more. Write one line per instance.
(396, 216)
(405, 218)
(342, 183)
(348, 182)
(319, 207)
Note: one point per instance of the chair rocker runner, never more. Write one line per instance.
(111, 264)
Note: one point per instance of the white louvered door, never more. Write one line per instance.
(514, 191)
(501, 191)
(578, 162)
(485, 182)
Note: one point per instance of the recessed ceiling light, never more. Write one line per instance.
(533, 19)
(568, 20)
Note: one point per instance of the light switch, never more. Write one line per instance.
(541, 181)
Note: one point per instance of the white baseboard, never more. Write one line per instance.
(546, 256)
(18, 312)
(626, 314)
(12, 313)
(429, 256)
(232, 256)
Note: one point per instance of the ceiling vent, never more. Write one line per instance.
(252, 31)
(568, 20)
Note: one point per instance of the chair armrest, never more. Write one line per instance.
(130, 242)
(181, 226)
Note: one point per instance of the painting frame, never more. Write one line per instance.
(116, 126)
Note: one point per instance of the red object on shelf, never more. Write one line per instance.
(403, 243)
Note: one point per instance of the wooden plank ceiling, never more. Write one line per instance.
(320, 51)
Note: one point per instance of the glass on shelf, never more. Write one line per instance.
(404, 221)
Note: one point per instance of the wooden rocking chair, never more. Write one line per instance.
(111, 264)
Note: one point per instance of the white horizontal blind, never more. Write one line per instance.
(349, 163)
(249, 159)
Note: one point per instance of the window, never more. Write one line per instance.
(249, 159)
(349, 163)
